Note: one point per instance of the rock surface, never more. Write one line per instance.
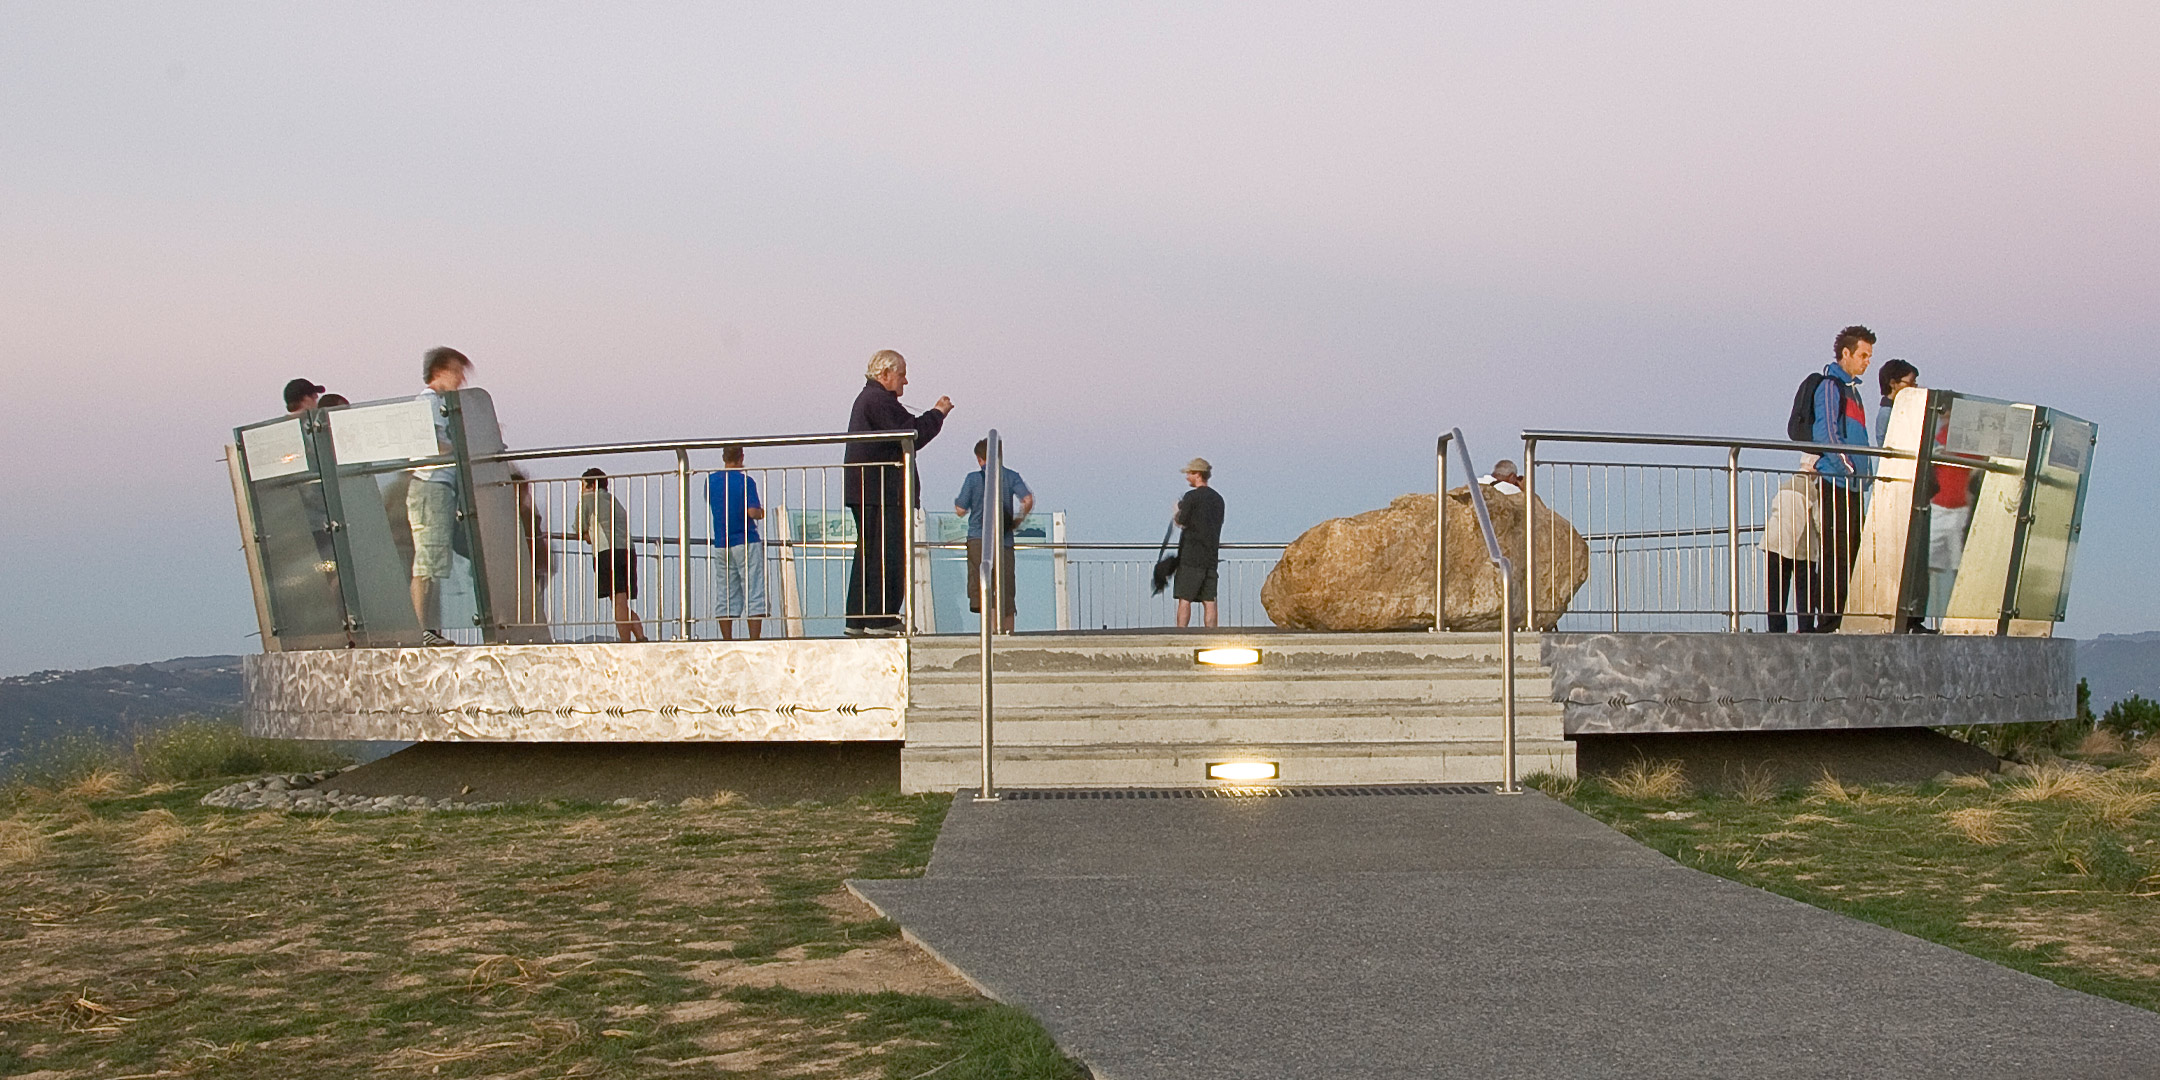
(1374, 571)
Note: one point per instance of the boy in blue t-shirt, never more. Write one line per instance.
(738, 556)
(1019, 503)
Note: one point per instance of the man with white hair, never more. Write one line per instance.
(878, 578)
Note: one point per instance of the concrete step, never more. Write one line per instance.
(1109, 728)
(948, 769)
(1215, 690)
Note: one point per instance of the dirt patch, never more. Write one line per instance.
(890, 966)
(764, 773)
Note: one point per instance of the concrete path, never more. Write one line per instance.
(1453, 935)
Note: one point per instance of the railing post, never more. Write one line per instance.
(682, 543)
(907, 561)
(1439, 589)
(1732, 538)
(1529, 530)
(1059, 570)
(1508, 786)
(992, 598)
(922, 594)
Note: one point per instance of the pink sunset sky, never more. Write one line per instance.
(1299, 240)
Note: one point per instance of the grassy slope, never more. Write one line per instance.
(141, 933)
(2053, 875)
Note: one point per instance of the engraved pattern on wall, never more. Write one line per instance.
(1642, 683)
(668, 691)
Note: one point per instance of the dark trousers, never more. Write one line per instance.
(1839, 508)
(1798, 578)
(877, 580)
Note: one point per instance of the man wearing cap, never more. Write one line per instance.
(1199, 516)
(301, 395)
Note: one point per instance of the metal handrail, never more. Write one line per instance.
(686, 445)
(1501, 562)
(1715, 442)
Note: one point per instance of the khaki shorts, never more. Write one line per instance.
(431, 508)
(1005, 578)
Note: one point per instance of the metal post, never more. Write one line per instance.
(907, 562)
(993, 607)
(1439, 588)
(2027, 484)
(1732, 537)
(1529, 529)
(922, 594)
(1508, 786)
(682, 541)
(1059, 572)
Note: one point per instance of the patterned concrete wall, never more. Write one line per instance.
(1639, 683)
(761, 691)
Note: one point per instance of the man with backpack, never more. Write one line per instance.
(1828, 410)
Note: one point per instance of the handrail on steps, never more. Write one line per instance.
(1506, 566)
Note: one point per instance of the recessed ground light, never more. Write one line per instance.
(1229, 656)
(1243, 772)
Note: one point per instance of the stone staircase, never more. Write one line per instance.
(1094, 710)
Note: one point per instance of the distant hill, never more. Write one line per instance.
(108, 701)
(2119, 665)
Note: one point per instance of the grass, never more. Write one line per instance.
(189, 748)
(2055, 872)
(144, 934)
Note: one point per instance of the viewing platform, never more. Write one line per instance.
(1619, 596)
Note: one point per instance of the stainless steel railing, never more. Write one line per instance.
(1506, 568)
(1667, 524)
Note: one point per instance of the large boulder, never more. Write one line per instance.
(1374, 571)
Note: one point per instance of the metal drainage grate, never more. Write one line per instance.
(1244, 791)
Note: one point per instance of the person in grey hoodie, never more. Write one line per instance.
(604, 524)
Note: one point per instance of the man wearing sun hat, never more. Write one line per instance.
(1199, 516)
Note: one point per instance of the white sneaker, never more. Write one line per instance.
(431, 638)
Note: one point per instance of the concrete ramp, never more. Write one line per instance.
(1426, 935)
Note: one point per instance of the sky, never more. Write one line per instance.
(1299, 240)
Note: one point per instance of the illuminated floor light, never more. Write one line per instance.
(1230, 656)
(1243, 771)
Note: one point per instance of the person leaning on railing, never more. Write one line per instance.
(1019, 503)
(605, 526)
(874, 488)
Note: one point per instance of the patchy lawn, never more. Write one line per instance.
(143, 935)
(2055, 871)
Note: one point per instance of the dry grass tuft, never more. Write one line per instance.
(2100, 741)
(2050, 780)
(1829, 789)
(1986, 826)
(2147, 747)
(1971, 781)
(21, 842)
(718, 800)
(156, 830)
(1756, 784)
(2152, 770)
(1655, 781)
(2120, 803)
(99, 784)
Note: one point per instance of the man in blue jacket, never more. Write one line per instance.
(878, 578)
(1841, 420)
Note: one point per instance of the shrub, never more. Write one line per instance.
(199, 749)
(2133, 718)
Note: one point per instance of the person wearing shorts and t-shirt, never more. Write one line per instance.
(605, 525)
(738, 551)
(1199, 517)
(1019, 503)
(431, 500)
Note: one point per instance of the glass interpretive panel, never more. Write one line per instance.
(296, 548)
(385, 431)
(1979, 544)
(2058, 500)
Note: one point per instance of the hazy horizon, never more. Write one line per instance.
(1296, 240)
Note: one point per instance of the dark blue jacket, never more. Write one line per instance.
(879, 409)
